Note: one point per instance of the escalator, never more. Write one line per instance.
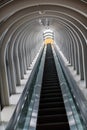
(51, 113)
(47, 102)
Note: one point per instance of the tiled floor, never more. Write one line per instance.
(7, 112)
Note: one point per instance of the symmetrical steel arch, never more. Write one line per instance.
(21, 37)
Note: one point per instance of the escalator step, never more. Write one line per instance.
(50, 76)
(51, 84)
(45, 85)
(51, 95)
(52, 111)
(52, 119)
(51, 105)
(50, 79)
(53, 126)
(51, 87)
(49, 91)
(58, 99)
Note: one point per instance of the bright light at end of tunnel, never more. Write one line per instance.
(48, 36)
(48, 41)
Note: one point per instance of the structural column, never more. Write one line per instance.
(11, 67)
(3, 83)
